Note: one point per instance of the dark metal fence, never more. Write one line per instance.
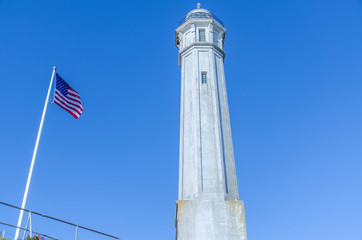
(29, 224)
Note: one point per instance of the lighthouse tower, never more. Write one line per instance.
(208, 207)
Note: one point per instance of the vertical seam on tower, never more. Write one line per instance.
(183, 129)
(221, 128)
(199, 89)
(229, 135)
(217, 131)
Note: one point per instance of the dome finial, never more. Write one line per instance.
(198, 5)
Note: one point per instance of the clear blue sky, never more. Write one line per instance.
(294, 80)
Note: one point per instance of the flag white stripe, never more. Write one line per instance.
(74, 99)
(70, 110)
(71, 106)
(78, 110)
(78, 100)
(73, 109)
(65, 101)
(68, 106)
(76, 104)
(60, 103)
(74, 92)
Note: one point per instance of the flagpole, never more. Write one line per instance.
(33, 158)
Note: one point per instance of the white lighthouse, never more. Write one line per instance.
(208, 207)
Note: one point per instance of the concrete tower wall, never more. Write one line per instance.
(206, 154)
(208, 206)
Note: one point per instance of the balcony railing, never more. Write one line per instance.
(29, 226)
(199, 15)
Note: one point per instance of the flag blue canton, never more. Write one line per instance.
(62, 86)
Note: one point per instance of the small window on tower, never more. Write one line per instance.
(203, 77)
(202, 36)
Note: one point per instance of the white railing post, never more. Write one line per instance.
(76, 233)
(26, 227)
(31, 228)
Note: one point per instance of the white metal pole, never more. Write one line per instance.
(33, 158)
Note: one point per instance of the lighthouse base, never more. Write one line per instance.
(210, 220)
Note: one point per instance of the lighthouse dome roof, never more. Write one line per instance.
(199, 13)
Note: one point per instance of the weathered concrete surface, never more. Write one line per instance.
(207, 165)
(210, 220)
(208, 207)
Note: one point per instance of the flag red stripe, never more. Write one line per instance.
(70, 104)
(69, 101)
(75, 108)
(76, 95)
(68, 110)
(60, 100)
(73, 89)
(75, 116)
(65, 106)
(74, 99)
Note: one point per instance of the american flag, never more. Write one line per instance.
(67, 98)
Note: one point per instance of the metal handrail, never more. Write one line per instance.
(198, 16)
(25, 229)
(59, 220)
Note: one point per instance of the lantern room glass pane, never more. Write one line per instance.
(202, 36)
